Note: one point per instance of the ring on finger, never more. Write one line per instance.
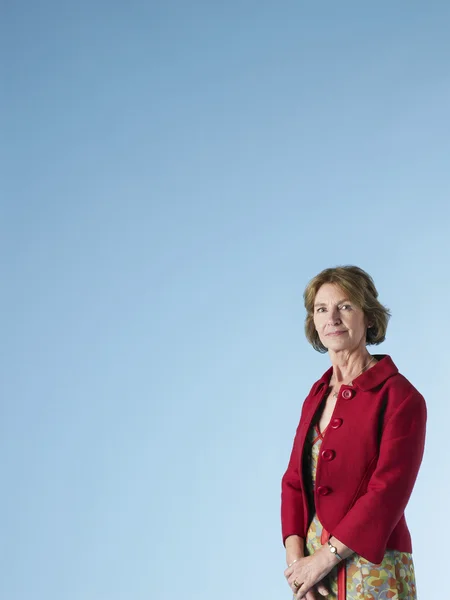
(296, 583)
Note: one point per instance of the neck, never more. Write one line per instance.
(349, 365)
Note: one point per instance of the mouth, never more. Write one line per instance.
(335, 333)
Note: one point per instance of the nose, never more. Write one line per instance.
(333, 316)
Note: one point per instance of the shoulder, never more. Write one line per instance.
(320, 384)
(403, 397)
(316, 391)
(399, 386)
(384, 380)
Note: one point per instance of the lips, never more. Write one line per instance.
(336, 333)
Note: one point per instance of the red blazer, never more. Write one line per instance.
(368, 463)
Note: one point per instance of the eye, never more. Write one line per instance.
(346, 306)
(320, 309)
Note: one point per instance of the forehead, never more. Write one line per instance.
(330, 292)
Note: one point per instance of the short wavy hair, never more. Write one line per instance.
(360, 288)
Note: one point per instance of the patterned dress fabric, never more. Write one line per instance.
(393, 579)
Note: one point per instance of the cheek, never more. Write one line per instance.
(319, 324)
(357, 325)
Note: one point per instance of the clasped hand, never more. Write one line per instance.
(306, 574)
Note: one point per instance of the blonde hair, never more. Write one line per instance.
(360, 288)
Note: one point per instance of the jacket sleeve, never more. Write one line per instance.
(370, 521)
(292, 504)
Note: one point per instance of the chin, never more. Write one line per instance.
(337, 345)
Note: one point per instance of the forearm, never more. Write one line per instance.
(343, 550)
(295, 548)
(329, 557)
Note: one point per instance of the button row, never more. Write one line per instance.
(329, 454)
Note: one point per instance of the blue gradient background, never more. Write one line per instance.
(173, 174)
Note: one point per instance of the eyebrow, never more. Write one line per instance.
(340, 302)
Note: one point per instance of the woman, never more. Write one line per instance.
(356, 454)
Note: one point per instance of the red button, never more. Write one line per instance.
(347, 394)
(323, 490)
(336, 423)
(328, 455)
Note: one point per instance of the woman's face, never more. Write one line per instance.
(340, 324)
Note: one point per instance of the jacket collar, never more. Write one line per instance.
(378, 374)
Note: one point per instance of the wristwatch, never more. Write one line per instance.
(334, 551)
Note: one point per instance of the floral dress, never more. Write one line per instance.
(393, 579)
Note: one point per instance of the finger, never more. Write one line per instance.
(323, 590)
(305, 589)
